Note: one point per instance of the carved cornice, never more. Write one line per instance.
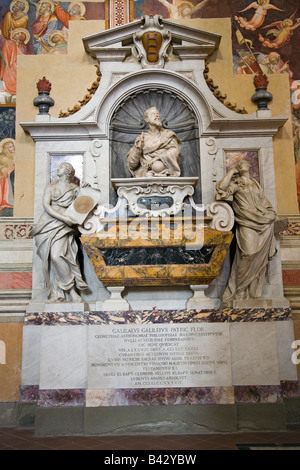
(187, 42)
(91, 91)
(219, 95)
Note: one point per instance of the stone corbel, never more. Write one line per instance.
(222, 216)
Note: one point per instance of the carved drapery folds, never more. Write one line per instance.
(128, 122)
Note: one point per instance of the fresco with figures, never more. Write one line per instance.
(265, 36)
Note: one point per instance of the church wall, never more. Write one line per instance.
(77, 67)
(236, 85)
(10, 361)
(71, 75)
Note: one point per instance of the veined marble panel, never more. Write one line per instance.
(158, 316)
(192, 236)
(29, 393)
(254, 354)
(258, 394)
(159, 396)
(63, 360)
(31, 355)
(61, 398)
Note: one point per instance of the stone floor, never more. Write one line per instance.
(24, 439)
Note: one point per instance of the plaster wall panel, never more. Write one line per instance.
(10, 361)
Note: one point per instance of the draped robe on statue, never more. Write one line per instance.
(59, 277)
(163, 146)
(254, 216)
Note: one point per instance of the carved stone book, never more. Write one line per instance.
(84, 203)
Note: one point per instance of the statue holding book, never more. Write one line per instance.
(55, 238)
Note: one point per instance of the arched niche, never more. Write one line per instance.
(127, 123)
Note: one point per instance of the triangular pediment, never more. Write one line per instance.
(185, 42)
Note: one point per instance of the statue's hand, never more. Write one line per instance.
(70, 221)
(139, 143)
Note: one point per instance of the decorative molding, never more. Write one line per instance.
(15, 230)
(185, 43)
(96, 152)
(212, 143)
(137, 189)
(93, 223)
(115, 77)
(91, 91)
(159, 316)
(292, 229)
(222, 216)
(152, 42)
(118, 12)
(13, 304)
(219, 95)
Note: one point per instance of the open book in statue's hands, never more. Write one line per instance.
(84, 204)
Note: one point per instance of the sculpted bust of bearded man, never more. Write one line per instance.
(156, 152)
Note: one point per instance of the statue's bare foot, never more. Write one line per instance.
(55, 298)
(240, 296)
(74, 296)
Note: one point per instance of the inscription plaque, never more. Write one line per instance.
(159, 355)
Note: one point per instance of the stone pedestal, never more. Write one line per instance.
(199, 299)
(115, 302)
(155, 371)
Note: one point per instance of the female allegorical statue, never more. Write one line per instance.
(254, 216)
(55, 238)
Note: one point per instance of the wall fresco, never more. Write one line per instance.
(29, 27)
(7, 159)
(42, 25)
(265, 36)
